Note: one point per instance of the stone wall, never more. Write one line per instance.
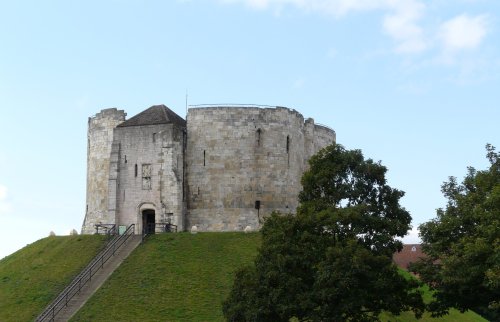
(239, 156)
(150, 174)
(323, 136)
(100, 138)
(212, 174)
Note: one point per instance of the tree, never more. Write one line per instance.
(333, 260)
(463, 244)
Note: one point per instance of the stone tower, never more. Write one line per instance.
(99, 143)
(146, 180)
(245, 162)
(225, 168)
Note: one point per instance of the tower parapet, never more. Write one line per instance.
(99, 142)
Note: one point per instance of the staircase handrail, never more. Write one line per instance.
(85, 276)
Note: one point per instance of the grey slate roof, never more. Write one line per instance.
(156, 114)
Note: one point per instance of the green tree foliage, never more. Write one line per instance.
(333, 260)
(463, 244)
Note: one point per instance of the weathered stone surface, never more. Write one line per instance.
(100, 139)
(242, 158)
(225, 171)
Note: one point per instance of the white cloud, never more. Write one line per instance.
(331, 7)
(402, 25)
(407, 23)
(412, 237)
(463, 32)
(400, 22)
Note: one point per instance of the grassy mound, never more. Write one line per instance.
(184, 277)
(33, 276)
(173, 277)
(454, 315)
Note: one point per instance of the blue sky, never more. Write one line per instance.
(412, 83)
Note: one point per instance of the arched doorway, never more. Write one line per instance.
(148, 221)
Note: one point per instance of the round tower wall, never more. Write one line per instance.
(242, 158)
(323, 136)
(100, 139)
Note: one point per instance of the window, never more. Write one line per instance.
(146, 176)
(204, 158)
(125, 158)
(259, 132)
(414, 249)
(288, 149)
(135, 170)
(154, 137)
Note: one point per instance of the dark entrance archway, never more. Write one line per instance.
(148, 221)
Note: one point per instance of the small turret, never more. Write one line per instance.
(100, 139)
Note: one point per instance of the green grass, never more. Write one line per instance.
(184, 277)
(32, 277)
(453, 316)
(173, 277)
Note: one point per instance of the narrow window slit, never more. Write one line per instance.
(288, 149)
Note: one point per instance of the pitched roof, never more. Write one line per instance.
(156, 114)
(409, 254)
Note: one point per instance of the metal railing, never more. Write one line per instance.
(105, 229)
(166, 227)
(85, 276)
(325, 126)
(158, 228)
(230, 105)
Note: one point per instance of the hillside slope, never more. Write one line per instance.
(32, 277)
(184, 277)
(173, 277)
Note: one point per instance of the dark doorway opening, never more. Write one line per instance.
(148, 222)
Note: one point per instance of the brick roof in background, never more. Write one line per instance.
(409, 254)
(157, 114)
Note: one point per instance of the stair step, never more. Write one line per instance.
(92, 277)
(98, 280)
